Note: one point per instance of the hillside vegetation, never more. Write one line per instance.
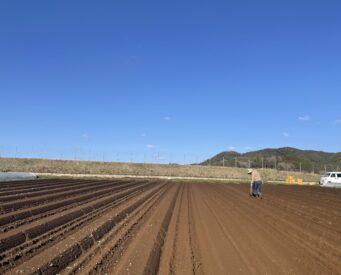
(284, 159)
(140, 169)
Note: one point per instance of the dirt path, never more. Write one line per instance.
(166, 227)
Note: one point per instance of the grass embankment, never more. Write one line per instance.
(141, 169)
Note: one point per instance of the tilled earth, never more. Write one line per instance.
(154, 226)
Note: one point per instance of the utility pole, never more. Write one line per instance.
(300, 167)
(235, 162)
(223, 161)
(249, 164)
(262, 163)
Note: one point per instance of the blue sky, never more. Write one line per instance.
(181, 79)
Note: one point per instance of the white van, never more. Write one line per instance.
(332, 179)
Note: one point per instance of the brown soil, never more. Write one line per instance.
(166, 227)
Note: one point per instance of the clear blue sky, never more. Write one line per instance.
(175, 77)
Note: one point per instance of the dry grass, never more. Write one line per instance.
(140, 169)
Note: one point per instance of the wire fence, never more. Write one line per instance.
(277, 163)
(88, 154)
(161, 157)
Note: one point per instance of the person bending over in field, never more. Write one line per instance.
(256, 183)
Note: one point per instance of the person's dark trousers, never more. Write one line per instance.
(257, 185)
(254, 192)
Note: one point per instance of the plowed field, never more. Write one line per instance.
(165, 227)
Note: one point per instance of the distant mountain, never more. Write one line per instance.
(285, 158)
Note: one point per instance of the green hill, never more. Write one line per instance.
(286, 158)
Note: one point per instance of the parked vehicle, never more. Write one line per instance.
(331, 179)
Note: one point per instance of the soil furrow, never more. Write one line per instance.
(45, 240)
(39, 211)
(67, 250)
(110, 249)
(47, 191)
(12, 206)
(167, 227)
